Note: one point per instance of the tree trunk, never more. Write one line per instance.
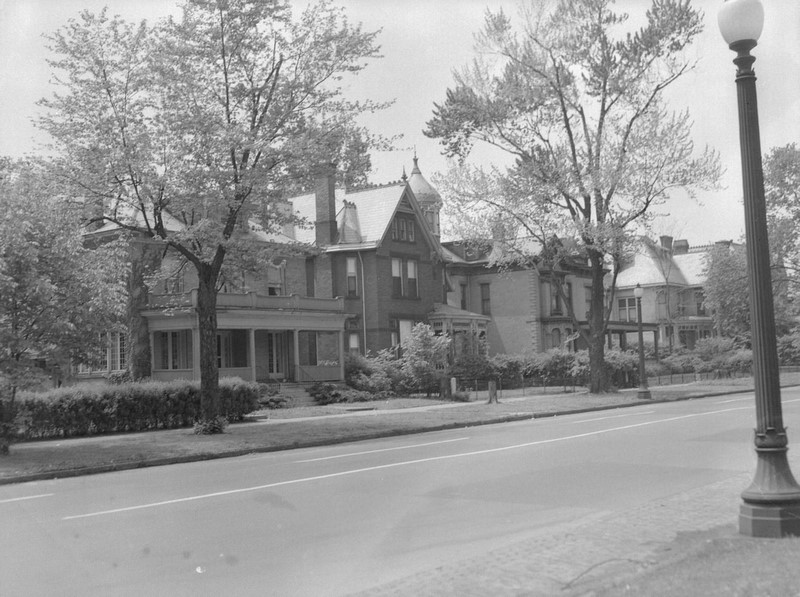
(207, 324)
(143, 263)
(598, 376)
(492, 392)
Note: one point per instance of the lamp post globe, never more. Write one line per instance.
(771, 504)
(644, 392)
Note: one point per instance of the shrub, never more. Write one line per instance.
(789, 348)
(101, 408)
(509, 368)
(326, 393)
(211, 427)
(460, 397)
(352, 395)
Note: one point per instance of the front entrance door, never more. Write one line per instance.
(271, 355)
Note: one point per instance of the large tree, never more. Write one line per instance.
(57, 297)
(185, 129)
(782, 189)
(727, 294)
(578, 104)
(726, 289)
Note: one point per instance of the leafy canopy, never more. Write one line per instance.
(56, 295)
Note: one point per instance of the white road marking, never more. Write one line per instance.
(27, 497)
(752, 399)
(648, 412)
(446, 441)
(391, 465)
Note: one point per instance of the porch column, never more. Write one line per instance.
(152, 336)
(341, 355)
(655, 342)
(296, 349)
(253, 353)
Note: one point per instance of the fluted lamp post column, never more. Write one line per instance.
(771, 504)
(644, 391)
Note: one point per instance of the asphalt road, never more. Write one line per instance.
(341, 519)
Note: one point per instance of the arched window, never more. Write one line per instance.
(556, 335)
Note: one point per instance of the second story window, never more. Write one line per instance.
(464, 297)
(352, 285)
(587, 295)
(397, 277)
(699, 300)
(486, 302)
(627, 309)
(411, 267)
(556, 308)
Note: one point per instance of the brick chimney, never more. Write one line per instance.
(325, 195)
(666, 242)
(681, 247)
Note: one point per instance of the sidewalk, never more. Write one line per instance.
(684, 544)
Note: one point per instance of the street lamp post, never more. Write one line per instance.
(644, 391)
(771, 505)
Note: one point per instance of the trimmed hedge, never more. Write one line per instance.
(96, 409)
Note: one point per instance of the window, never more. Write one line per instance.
(113, 358)
(569, 297)
(405, 278)
(273, 290)
(352, 280)
(556, 338)
(403, 229)
(555, 299)
(232, 348)
(411, 267)
(464, 297)
(397, 277)
(394, 329)
(172, 350)
(587, 295)
(486, 305)
(174, 284)
(700, 301)
(627, 309)
(354, 343)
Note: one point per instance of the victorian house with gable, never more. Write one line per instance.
(369, 269)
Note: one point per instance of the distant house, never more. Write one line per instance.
(671, 274)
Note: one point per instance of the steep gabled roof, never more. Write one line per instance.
(363, 217)
(654, 265)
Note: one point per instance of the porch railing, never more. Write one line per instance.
(250, 300)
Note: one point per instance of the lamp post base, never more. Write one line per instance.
(765, 520)
(643, 394)
(771, 505)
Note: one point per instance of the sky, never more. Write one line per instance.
(422, 43)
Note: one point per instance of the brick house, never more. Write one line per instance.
(357, 280)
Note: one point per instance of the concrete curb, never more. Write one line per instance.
(109, 468)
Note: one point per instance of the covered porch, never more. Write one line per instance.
(259, 338)
(466, 329)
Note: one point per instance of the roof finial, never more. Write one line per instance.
(404, 177)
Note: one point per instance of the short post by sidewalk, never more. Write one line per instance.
(771, 505)
(644, 391)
